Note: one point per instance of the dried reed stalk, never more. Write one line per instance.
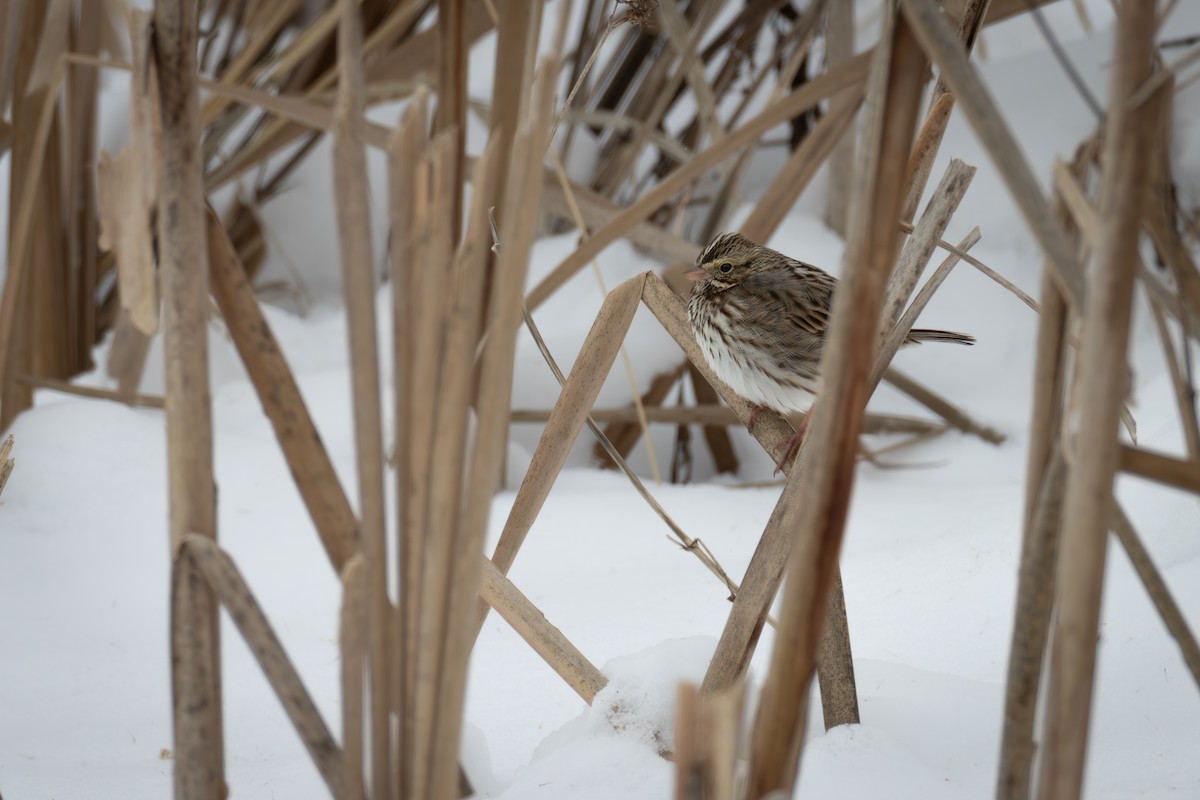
(455, 396)
(545, 639)
(721, 415)
(352, 642)
(1160, 468)
(96, 393)
(409, 201)
(493, 403)
(818, 504)
(441, 498)
(354, 237)
(839, 46)
(182, 247)
(706, 738)
(1031, 629)
(944, 49)
(307, 459)
(230, 587)
(970, 21)
(596, 355)
(1103, 385)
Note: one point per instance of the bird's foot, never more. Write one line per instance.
(793, 443)
(755, 408)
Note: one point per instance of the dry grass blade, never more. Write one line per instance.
(308, 461)
(954, 416)
(230, 587)
(354, 237)
(1103, 383)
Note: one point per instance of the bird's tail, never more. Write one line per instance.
(929, 335)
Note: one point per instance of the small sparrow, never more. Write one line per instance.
(761, 317)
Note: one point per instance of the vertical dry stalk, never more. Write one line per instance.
(494, 395)
(281, 400)
(354, 236)
(199, 752)
(823, 499)
(451, 114)
(839, 46)
(1103, 386)
(352, 641)
(706, 738)
(440, 502)
(1031, 629)
(455, 398)
(408, 190)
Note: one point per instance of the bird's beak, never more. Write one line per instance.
(695, 275)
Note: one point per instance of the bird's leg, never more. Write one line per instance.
(794, 442)
(754, 409)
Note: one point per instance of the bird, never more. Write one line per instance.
(761, 317)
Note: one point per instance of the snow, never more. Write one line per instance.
(929, 561)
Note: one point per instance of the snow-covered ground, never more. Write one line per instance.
(929, 561)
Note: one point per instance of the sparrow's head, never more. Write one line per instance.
(728, 260)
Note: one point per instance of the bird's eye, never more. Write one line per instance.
(726, 267)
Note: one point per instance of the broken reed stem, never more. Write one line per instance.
(231, 588)
(195, 642)
(818, 504)
(282, 402)
(1103, 384)
(545, 639)
(1160, 468)
(93, 392)
(686, 542)
(354, 239)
